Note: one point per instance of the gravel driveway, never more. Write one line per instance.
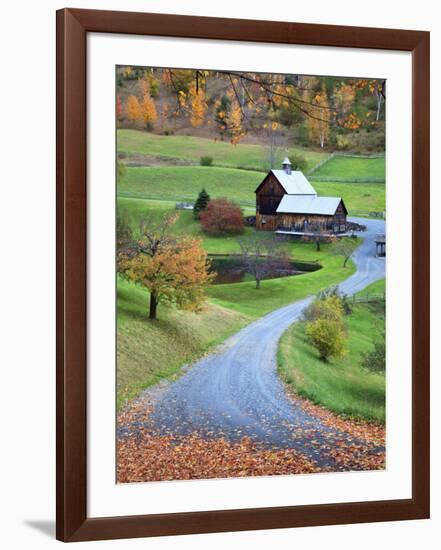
(236, 392)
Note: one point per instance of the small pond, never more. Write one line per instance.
(230, 269)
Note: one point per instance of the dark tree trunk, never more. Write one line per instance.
(317, 245)
(345, 262)
(257, 283)
(153, 305)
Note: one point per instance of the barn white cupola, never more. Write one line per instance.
(287, 165)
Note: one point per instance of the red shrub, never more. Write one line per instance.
(222, 217)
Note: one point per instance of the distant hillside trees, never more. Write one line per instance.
(331, 112)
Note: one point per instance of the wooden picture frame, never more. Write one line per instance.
(72, 521)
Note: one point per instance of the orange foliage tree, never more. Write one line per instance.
(175, 270)
(148, 110)
(133, 108)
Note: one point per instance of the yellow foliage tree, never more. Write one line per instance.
(148, 110)
(235, 123)
(318, 120)
(328, 337)
(198, 106)
(344, 97)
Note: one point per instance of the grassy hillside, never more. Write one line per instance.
(183, 183)
(352, 167)
(364, 197)
(186, 224)
(189, 148)
(342, 385)
(144, 346)
(378, 287)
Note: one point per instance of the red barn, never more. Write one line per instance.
(287, 202)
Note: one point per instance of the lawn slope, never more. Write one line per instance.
(352, 167)
(185, 225)
(144, 346)
(359, 198)
(183, 183)
(342, 385)
(189, 148)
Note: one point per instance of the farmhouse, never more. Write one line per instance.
(287, 203)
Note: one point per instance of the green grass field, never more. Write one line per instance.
(185, 225)
(183, 183)
(352, 167)
(364, 197)
(189, 148)
(144, 346)
(378, 287)
(342, 385)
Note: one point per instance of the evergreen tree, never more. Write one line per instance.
(201, 203)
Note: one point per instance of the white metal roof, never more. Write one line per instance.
(294, 183)
(307, 204)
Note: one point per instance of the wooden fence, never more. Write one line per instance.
(368, 297)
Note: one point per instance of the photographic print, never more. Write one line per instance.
(250, 274)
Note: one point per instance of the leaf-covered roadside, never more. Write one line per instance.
(161, 458)
(143, 455)
(349, 455)
(370, 432)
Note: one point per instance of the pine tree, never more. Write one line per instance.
(201, 203)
